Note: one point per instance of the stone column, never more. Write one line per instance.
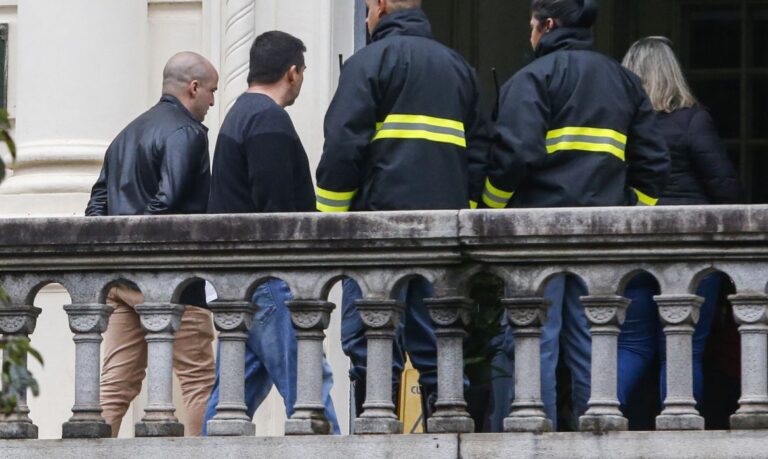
(63, 129)
(605, 315)
(239, 30)
(18, 321)
(87, 322)
(380, 317)
(450, 316)
(233, 320)
(160, 321)
(526, 316)
(751, 313)
(310, 319)
(679, 314)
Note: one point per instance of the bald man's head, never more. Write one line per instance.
(184, 68)
(193, 80)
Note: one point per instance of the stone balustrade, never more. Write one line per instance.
(381, 251)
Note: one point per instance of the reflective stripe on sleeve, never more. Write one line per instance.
(587, 139)
(334, 201)
(643, 199)
(423, 128)
(496, 198)
(473, 204)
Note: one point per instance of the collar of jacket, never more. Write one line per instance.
(411, 22)
(569, 38)
(169, 99)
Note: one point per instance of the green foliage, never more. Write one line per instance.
(16, 377)
(5, 136)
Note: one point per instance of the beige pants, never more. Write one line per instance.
(125, 360)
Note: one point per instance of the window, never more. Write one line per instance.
(725, 54)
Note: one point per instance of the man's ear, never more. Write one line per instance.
(383, 8)
(549, 25)
(193, 88)
(292, 74)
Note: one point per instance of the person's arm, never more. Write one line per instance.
(520, 138)
(271, 158)
(478, 148)
(185, 151)
(647, 157)
(710, 161)
(98, 205)
(350, 124)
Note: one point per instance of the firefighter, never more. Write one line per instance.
(401, 134)
(575, 129)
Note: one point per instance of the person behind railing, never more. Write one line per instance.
(260, 166)
(400, 134)
(701, 173)
(574, 129)
(159, 164)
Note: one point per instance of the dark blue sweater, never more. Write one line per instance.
(259, 163)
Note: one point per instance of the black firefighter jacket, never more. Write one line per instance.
(575, 129)
(402, 130)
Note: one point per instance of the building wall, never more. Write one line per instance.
(80, 70)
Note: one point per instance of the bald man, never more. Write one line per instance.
(159, 164)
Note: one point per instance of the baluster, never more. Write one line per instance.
(751, 313)
(18, 321)
(526, 316)
(679, 313)
(87, 322)
(380, 317)
(233, 320)
(605, 314)
(450, 316)
(160, 321)
(310, 319)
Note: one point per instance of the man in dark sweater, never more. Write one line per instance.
(260, 166)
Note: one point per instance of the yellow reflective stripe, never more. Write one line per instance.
(336, 195)
(326, 208)
(584, 146)
(644, 199)
(497, 192)
(473, 204)
(495, 198)
(585, 131)
(422, 119)
(417, 134)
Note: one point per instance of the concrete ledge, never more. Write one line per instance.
(626, 445)
(369, 447)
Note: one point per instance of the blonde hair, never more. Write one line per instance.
(653, 60)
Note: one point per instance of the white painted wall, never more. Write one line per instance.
(79, 71)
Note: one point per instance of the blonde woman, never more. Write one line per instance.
(701, 173)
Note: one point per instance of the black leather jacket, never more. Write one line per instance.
(159, 164)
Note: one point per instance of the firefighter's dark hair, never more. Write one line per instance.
(272, 54)
(566, 13)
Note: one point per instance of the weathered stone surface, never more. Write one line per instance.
(625, 445)
(159, 429)
(86, 429)
(17, 430)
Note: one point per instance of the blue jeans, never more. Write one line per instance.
(270, 356)
(642, 336)
(566, 325)
(415, 335)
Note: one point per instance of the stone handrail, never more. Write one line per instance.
(605, 247)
